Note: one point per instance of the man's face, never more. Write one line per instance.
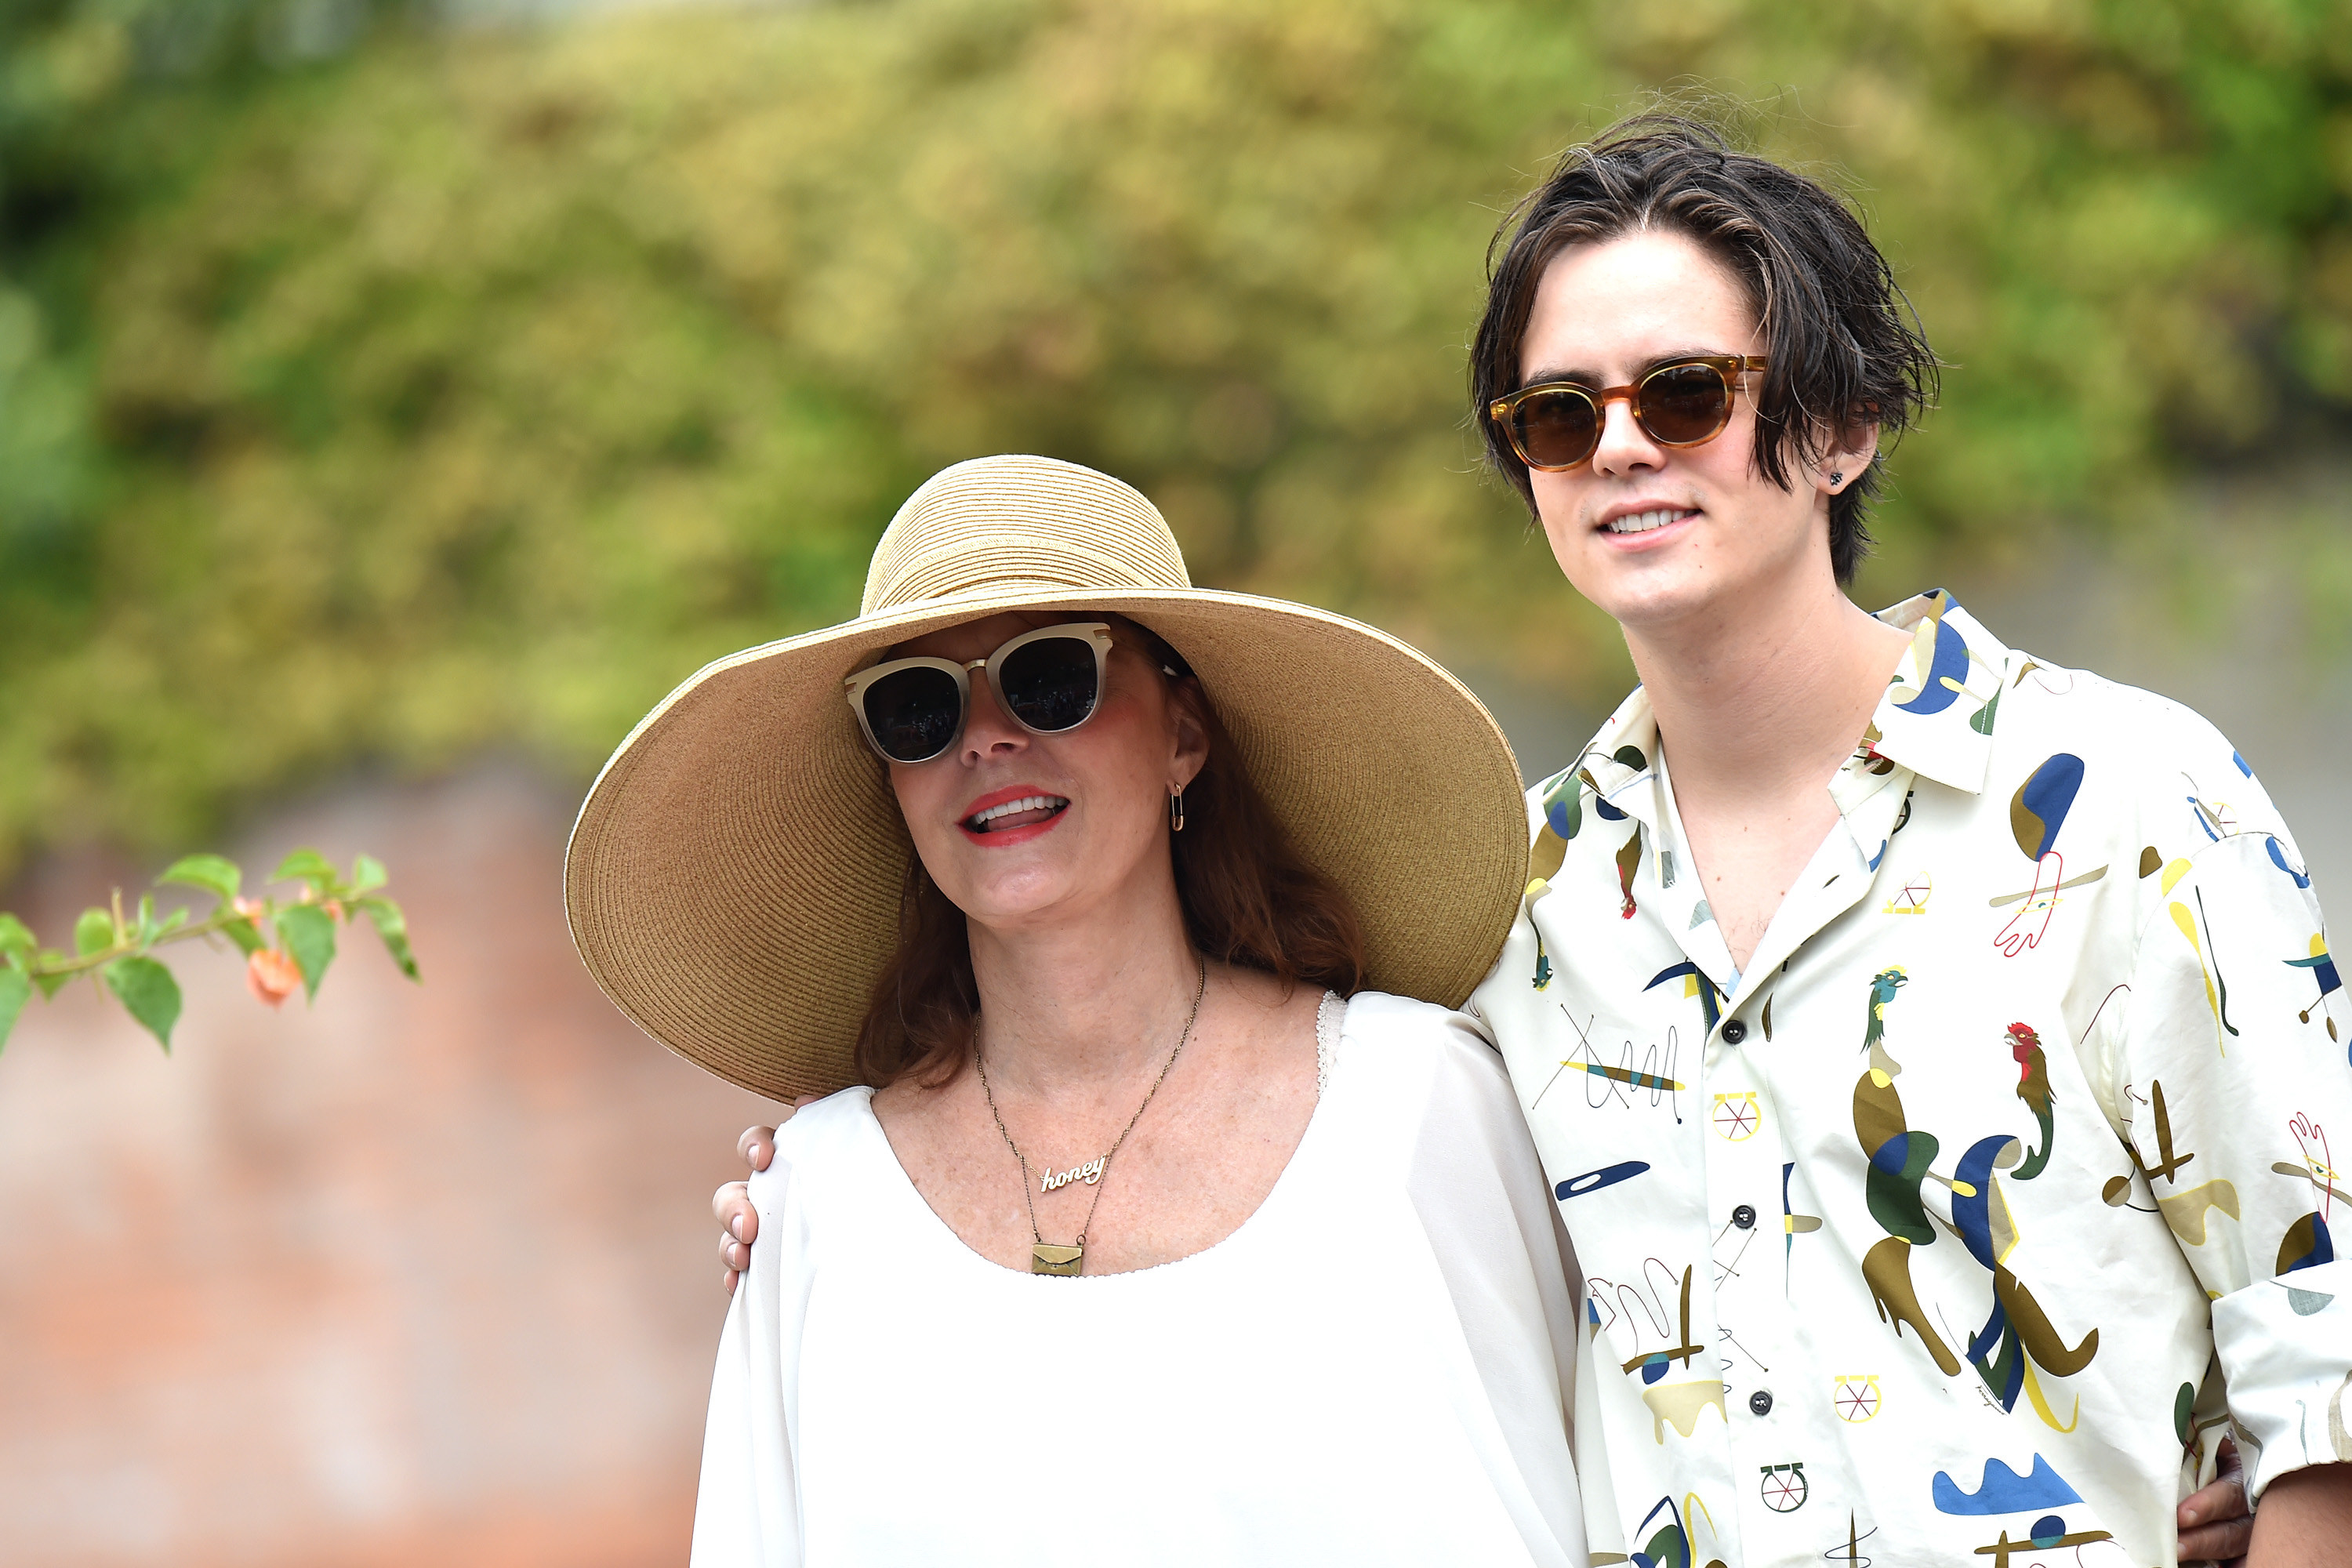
(1655, 534)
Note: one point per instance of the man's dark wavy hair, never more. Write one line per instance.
(1844, 344)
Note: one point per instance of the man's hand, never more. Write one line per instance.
(2213, 1522)
(2306, 1520)
(731, 1205)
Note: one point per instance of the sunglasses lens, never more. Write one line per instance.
(1050, 684)
(1683, 404)
(914, 713)
(1556, 428)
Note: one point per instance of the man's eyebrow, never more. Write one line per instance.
(1584, 377)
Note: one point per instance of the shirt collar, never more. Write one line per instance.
(1617, 762)
(1935, 718)
(1936, 715)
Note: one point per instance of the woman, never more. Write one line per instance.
(1142, 1245)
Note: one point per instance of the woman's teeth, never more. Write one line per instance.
(1643, 522)
(980, 820)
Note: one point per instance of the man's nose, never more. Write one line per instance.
(1624, 445)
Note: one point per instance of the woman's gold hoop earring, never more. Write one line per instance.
(1176, 812)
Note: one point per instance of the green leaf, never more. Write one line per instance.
(392, 926)
(15, 989)
(148, 990)
(147, 928)
(17, 940)
(94, 932)
(309, 933)
(306, 866)
(367, 871)
(210, 872)
(50, 984)
(242, 932)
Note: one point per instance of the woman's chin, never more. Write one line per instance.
(1020, 898)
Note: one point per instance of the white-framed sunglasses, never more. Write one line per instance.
(1050, 680)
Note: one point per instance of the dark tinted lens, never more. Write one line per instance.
(1049, 684)
(1683, 404)
(1557, 429)
(914, 713)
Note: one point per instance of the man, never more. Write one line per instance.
(1946, 1150)
(1831, 1081)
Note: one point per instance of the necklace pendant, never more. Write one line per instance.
(1091, 1172)
(1045, 1257)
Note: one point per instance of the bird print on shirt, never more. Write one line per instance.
(2018, 1334)
(2034, 1087)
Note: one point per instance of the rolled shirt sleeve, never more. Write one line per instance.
(2231, 1075)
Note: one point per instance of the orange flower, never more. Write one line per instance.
(272, 976)
(251, 909)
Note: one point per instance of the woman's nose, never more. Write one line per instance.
(988, 729)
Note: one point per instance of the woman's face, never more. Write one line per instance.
(1099, 827)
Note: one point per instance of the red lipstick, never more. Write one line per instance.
(1035, 810)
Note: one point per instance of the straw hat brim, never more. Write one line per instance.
(734, 876)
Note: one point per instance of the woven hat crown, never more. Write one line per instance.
(1014, 524)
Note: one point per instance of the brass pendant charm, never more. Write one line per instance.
(1044, 1258)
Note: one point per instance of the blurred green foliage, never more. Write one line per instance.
(377, 392)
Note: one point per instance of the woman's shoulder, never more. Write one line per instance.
(1434, 1097)
(822, 1136)
(1402, 1023)
(1428, 1045)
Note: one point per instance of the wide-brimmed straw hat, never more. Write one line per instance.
(734, 878)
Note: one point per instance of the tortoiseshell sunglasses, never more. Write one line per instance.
(1556, 425)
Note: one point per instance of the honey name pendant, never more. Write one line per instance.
(1091, 1172)
(1044, 1258)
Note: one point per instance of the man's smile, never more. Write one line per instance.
(1645, 521)
(1641, 522)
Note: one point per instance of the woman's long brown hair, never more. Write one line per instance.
(1249, 899)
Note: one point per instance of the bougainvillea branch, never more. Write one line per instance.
(288, 943)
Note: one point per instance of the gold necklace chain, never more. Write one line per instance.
(1044, 1258)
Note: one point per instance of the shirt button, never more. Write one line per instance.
(1745, 1218)
(1760, 1401)
(1734, 1031)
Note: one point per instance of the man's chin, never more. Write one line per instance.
(1652, 596)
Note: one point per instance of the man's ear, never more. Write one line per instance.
(1846, 455)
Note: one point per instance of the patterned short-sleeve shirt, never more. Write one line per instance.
(1962, 1223)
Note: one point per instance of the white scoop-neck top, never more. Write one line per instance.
(1374, 1369)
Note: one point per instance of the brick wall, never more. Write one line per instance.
(420, 1275)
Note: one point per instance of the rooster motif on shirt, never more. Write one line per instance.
(2034, 1087)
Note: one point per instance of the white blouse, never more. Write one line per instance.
(1376, 1368)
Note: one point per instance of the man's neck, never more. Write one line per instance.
(1763, 700)
(1758, 704)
